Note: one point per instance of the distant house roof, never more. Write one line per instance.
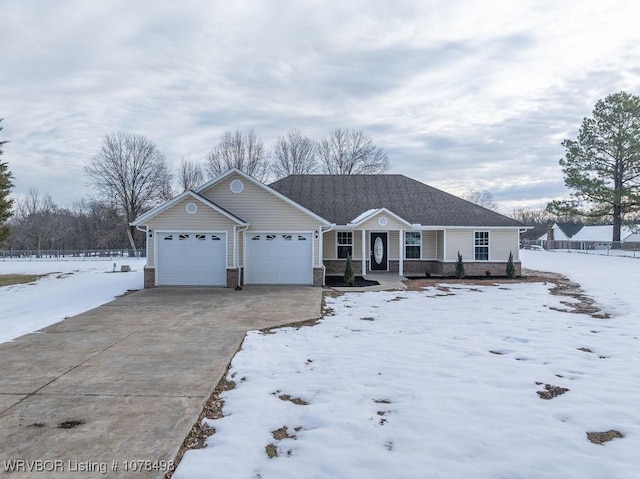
(341, 198)
(570, 229)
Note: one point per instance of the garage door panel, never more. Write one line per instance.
(192, 259)
(279, 259)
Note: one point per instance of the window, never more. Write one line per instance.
(412, 244)
(345, 244)
(481, 244)
(183, 237)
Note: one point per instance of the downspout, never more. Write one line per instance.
(237, 229)
(321, 251)
(146, 240)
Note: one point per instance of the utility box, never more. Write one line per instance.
(125, 268)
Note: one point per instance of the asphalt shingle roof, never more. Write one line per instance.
(341, 198)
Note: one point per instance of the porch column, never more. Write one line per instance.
(364, 252)
(401, 253)
(320, 240)
(444, 246)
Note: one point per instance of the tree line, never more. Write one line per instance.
(130, 175)
(601, 168)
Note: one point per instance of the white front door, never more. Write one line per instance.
(191, 259)
(279, 258)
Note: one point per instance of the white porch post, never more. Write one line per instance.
(364, 252)
(401, 254)
(444, 246)
(320, 246)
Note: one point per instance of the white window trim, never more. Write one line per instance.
(419, 245)
(338, 244)
(488, 246)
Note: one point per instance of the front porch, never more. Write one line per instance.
(408, 252)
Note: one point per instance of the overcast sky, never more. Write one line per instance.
(461, 94)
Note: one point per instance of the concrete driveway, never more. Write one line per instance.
(93, 394)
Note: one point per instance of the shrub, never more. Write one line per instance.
(487, 273)
(349, 275)
(459, 267)
(427, 274)
(511, 268)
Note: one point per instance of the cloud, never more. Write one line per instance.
(462, 95)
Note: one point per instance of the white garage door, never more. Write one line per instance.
(279, 258)
(192, 259)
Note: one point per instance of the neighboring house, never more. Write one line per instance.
(235, 230)
(579, 236)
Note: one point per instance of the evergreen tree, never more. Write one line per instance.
(6, 203)
(349, 275)
(511, 268)
(601, 166)
(459, 267)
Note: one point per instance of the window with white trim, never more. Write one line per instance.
(412, 244)
(481, 245)
(345, 243)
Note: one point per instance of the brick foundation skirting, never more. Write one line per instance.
(149, 277)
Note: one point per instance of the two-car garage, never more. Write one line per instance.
(200, 258)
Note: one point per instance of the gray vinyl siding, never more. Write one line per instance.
(177, 219)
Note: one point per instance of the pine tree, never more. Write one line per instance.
(6, 203)
(349, 275)
(511, 268)
(459, 267)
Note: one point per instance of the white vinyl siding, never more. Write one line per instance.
(263, 209)
(177, 219)
(459, 240)
(429, 244)
(373, 225)
(503, 242)
(440, 240)
(329, 245)
(394, 244)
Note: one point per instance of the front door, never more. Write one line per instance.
(379, 252)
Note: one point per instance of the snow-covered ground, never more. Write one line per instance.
(441, 383)
(69, 288)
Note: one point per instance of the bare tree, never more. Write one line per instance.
(481, 198)
(239, 150)
(535, 218)
(346, 152)
(190, 175)
(294, 154)
(34, 221)
(129, 171)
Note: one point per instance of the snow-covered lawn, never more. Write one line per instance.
(441, 383)
(69, 288)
